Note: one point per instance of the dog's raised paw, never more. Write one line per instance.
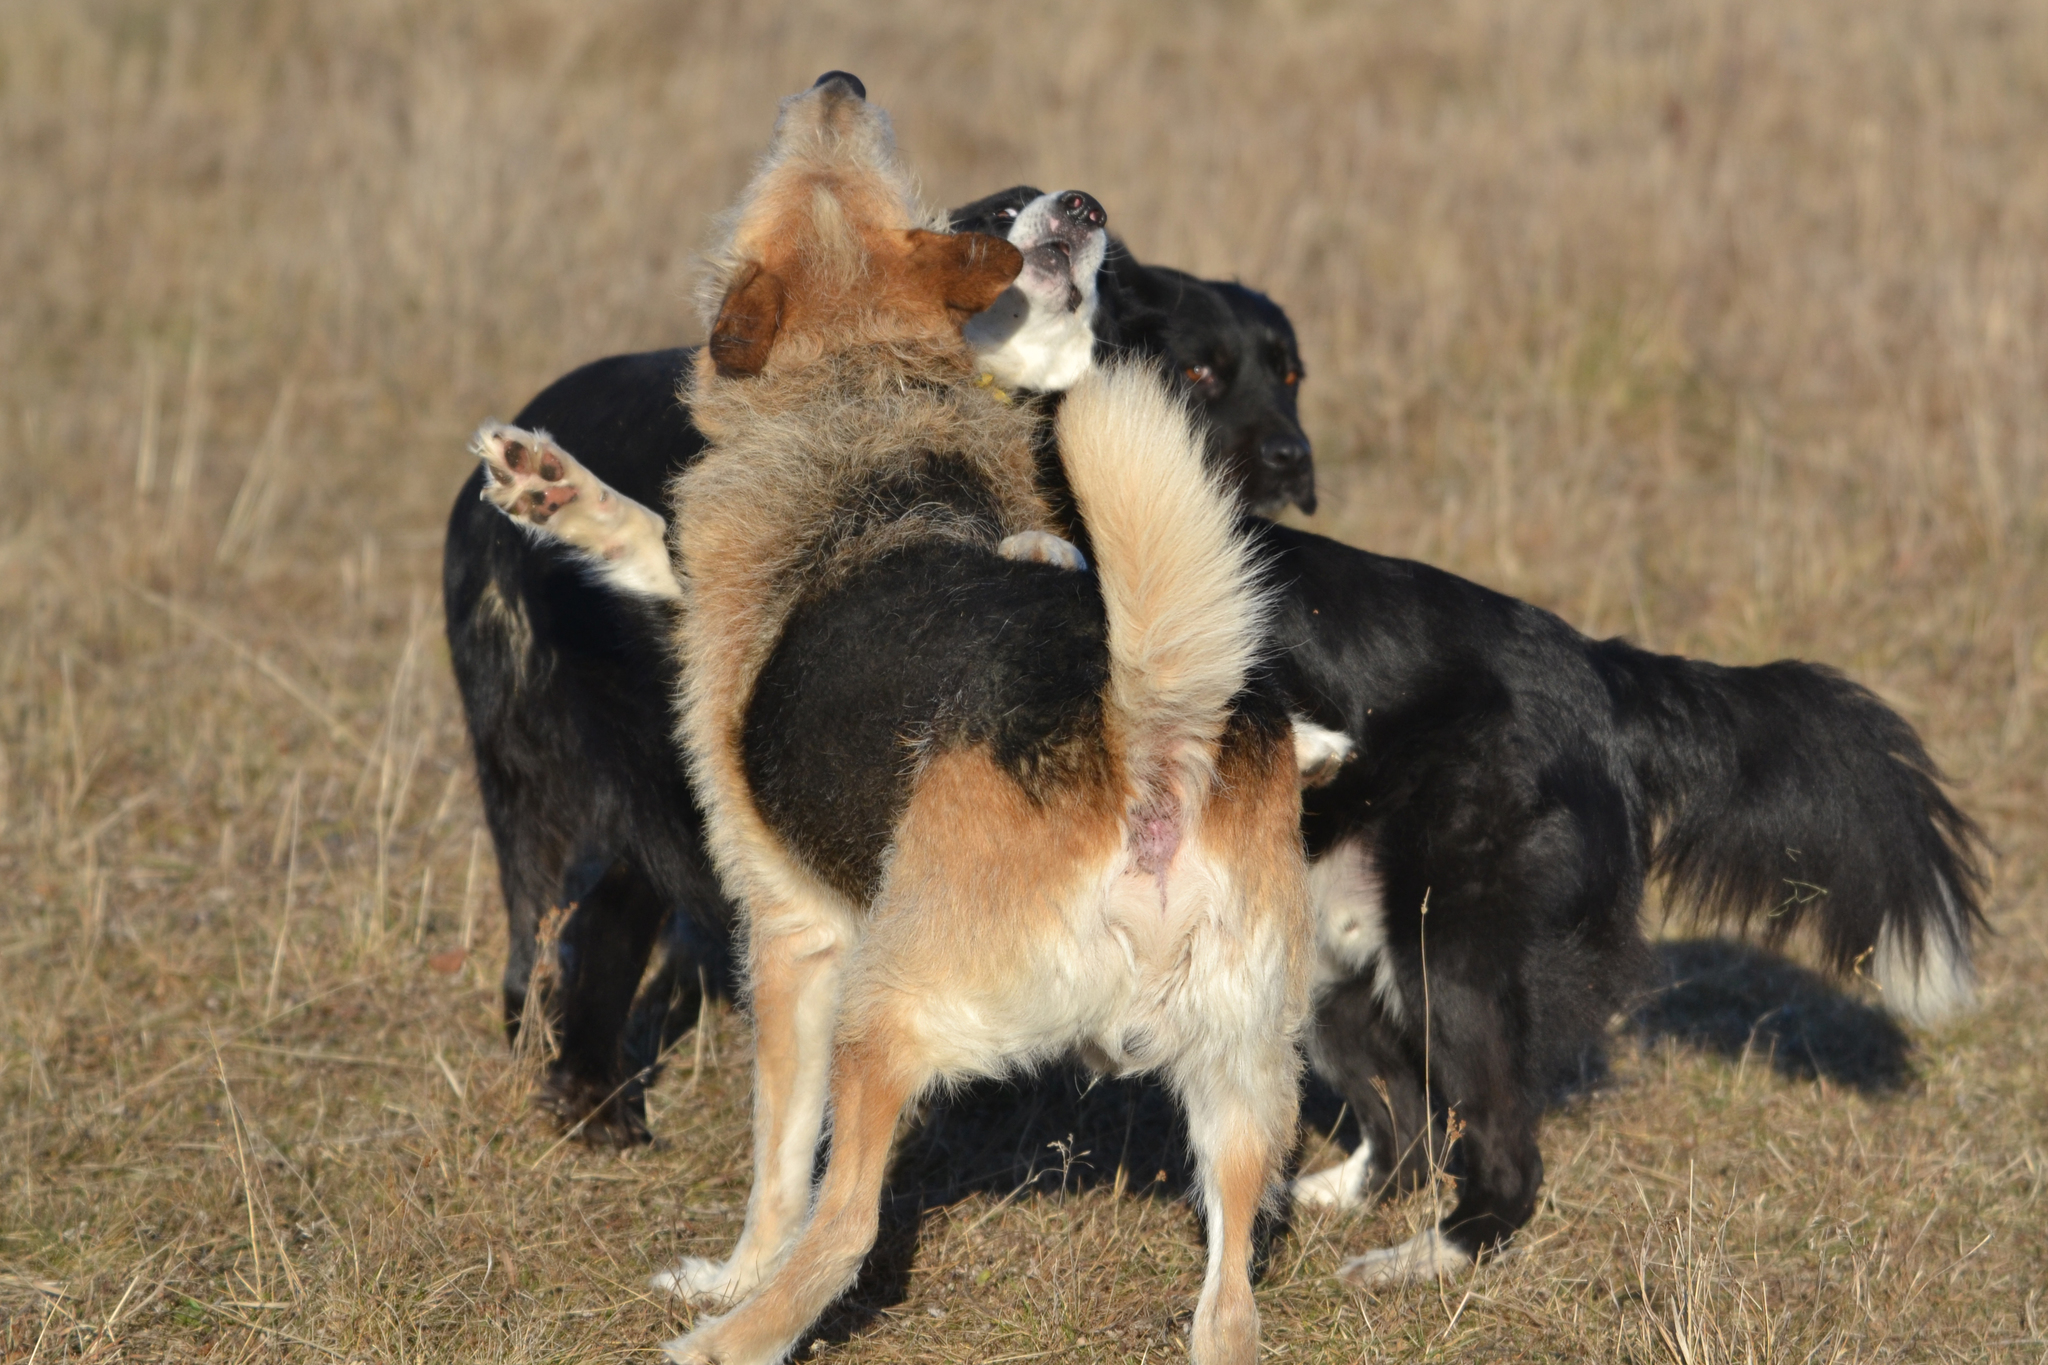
(1043, 547)
(526, 475)
(1428, 1255)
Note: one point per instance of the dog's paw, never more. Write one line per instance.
(598, 1112)
(688, 1351)
(1319, 752)
(723, 1342)
(1043, 547)
(1428, 1255)
(703, 1282)
(1342, 1188)
(526, 475)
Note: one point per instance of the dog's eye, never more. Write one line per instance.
(1006, 215)
(1200, 374)
(1292, 378)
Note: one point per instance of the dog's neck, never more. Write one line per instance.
(1024, 347)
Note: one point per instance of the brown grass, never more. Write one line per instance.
(1716, 322)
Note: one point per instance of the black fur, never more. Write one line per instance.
(1228, 349)
(1232, 352)
(566, 686)
(1516, 784)
(980, 650)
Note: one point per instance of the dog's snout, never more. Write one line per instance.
(1081, 207)
(1283, 451)
(845, 78)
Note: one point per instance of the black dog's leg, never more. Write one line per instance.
(600, 953)
(529, 869)
(1478, 1079)
(1491, 1125)
(1360, 1051)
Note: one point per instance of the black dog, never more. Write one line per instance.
(1232, 350)
(566, 683)
(1479, 864)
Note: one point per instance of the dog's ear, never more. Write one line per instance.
(968, 271)
(747, 323)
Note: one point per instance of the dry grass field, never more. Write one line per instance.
(1719, 323)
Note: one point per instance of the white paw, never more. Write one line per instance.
(1319, 752)
(1428, 1255)
(702, 1281)
(1043, 547)
(681, 1352)
(526, 475)
(1340, 1187)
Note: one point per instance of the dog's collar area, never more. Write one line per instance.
(985, 380)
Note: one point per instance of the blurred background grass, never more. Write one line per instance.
(1718, 324)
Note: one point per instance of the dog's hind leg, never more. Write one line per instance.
(1239, 1133)
(873, 1078)
(600, 953)
(795, 959)
(539, 485)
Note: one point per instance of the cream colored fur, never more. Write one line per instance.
(1428, 1255)
(1185, 609)
(1934, 983)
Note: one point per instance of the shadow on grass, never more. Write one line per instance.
(1061, 1130)
(1731, 998)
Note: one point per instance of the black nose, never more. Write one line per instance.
(1081, 207)
(846, 78)
(1283, 452)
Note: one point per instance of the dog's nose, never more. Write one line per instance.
(1289, 473)
(1283, 452)
(1081, 207)
(845, 78)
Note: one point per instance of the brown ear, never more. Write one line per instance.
(967, 270)
(747, 323)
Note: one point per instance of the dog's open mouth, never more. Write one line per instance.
(1053, 262)
(1063, 237)
(1040, 334)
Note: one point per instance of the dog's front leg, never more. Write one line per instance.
(795, 963)
(537, 484)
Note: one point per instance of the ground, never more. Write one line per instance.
(1718, 323)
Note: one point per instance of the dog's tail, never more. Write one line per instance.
(1183, 600)
(1786, 797)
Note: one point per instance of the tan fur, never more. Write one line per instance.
(1146, 903)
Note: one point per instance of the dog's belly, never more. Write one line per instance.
(936, 646)
(1134, 972)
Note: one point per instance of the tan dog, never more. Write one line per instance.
(978, 812)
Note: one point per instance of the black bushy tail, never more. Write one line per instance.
(1785, 797)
